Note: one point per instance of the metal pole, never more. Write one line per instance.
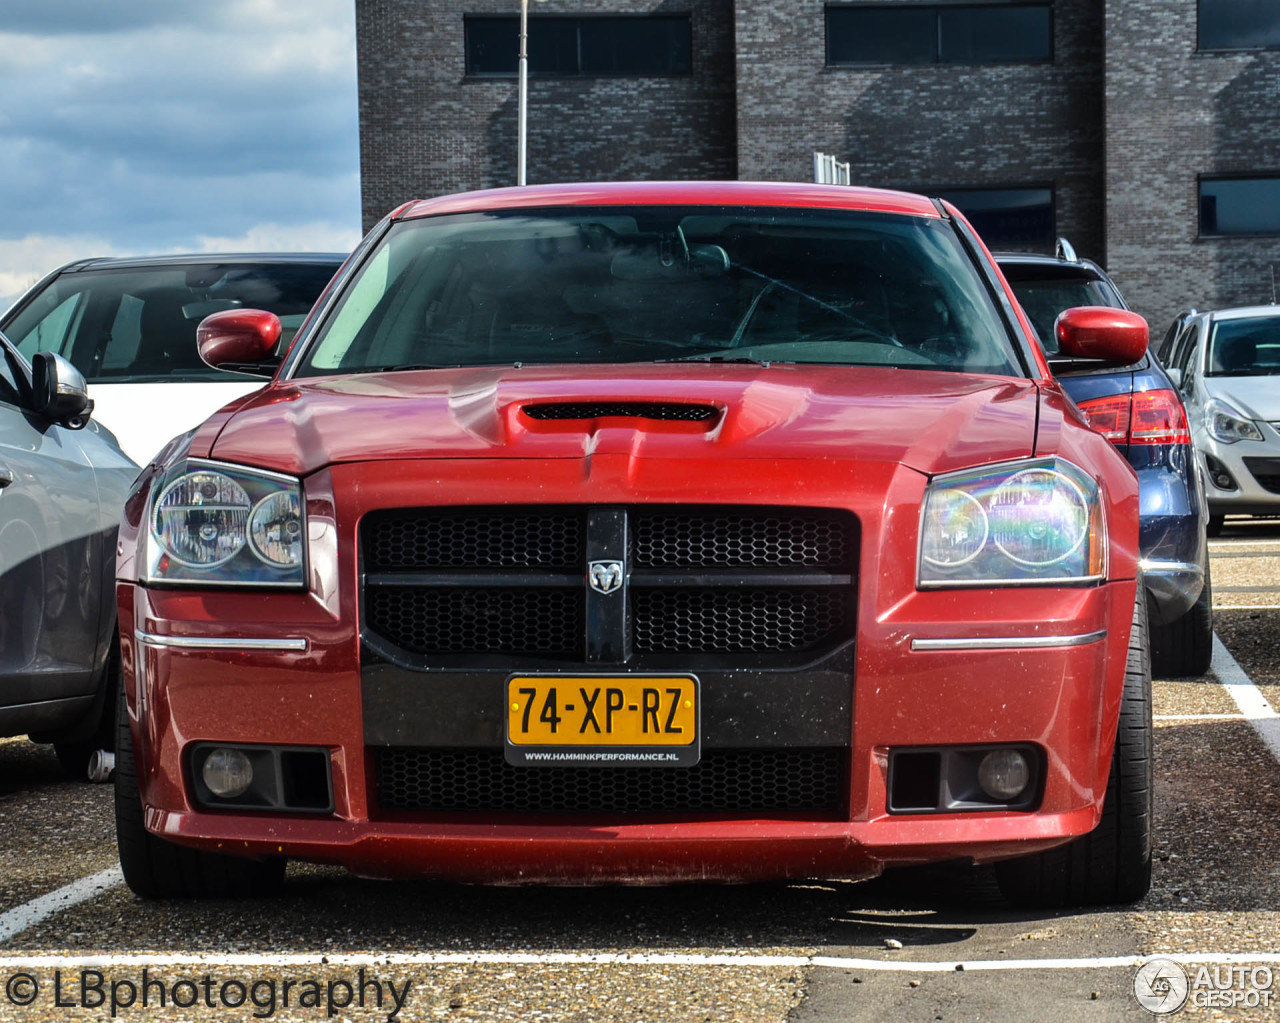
(522, 143)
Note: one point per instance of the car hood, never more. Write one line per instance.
(1257, 397)
(931, 421)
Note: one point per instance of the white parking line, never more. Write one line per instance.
(1198, 717)
(1253, 705)
(17, 920)
(1246, 607)
(286, 960)
(1241, 542)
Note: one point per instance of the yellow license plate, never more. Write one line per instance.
(601, 711)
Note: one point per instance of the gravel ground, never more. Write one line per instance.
(1216, 889)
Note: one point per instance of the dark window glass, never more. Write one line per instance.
(140, 323)
(1043, 300)
(1236, 206)
(882, 35)
(1239, 24)
(10, 388)
(580, 46)
(992, 35)
(951, 34)
(1006, 217)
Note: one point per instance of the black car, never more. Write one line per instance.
(1138, 409)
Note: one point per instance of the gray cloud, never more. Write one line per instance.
(152, 125)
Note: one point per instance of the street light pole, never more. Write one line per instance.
(523, 132)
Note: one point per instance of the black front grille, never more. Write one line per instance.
(705, 538)
(415, 541)
(726, 781)
(742, 586)
(446, 620)
(1266, 471)
(626, 409)
(724, 620)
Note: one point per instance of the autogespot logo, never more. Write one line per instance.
(1161, 987)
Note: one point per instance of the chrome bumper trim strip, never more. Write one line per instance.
(1009, 642)
(220, 643)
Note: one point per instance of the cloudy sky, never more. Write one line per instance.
(130, 127)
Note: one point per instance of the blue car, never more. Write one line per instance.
(1138, 409)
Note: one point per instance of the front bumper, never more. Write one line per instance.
(1254, 466)
(918, 679)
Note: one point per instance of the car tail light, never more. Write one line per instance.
(1148, 417)
(1109, 417)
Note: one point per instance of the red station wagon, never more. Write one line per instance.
(643, 533)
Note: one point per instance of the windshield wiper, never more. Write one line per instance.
(715, 358)
(407, 366)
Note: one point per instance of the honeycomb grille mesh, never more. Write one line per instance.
(740, 539)
(628, 409)
(447, 620)
(726, 781)
(473, 539)
(728, 620)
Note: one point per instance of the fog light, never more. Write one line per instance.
(227, 773)
(1003, 774)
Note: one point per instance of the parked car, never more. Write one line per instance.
(129, 327)
(637, 533)
(63, 481)
(1225, 363)
(1137, 408)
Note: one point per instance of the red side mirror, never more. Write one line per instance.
(238, 336)
(1100, 332)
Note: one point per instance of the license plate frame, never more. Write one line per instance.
(586, 700)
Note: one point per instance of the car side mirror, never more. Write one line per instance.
(243, 340)
(60, 393)
(1101, 332)
(1175, 376)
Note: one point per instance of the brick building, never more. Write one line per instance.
(1146, 131)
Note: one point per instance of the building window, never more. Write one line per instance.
(1006, 217)
(939, 34)
(1239, 24)
(638, 45)
(1239, 206)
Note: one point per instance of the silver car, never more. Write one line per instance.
(1227, 366)
(63, 481)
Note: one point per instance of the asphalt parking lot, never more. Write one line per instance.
(72, 937)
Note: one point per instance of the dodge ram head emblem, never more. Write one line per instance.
(605, 576)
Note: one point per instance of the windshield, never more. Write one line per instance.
(1244, 348)
(126, 326)
(641, 284)
(1043, 300)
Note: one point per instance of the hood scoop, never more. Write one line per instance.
(669, 411)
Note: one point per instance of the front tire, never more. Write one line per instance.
(1112, 864)
(156, 869)
(1184, 647)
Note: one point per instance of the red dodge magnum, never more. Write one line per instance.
(642, 533)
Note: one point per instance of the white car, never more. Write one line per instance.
(129, 326)
(1227, 365)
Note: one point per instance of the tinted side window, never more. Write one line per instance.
(993, 35)
(657, 45)
(943, 33)
(1239, 206)
(1007, 217)
(53, 320)
(10, 388)
(1239, 24)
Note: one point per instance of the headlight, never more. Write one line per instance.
(1033, 522)
(221, 525)
(1228, 425)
